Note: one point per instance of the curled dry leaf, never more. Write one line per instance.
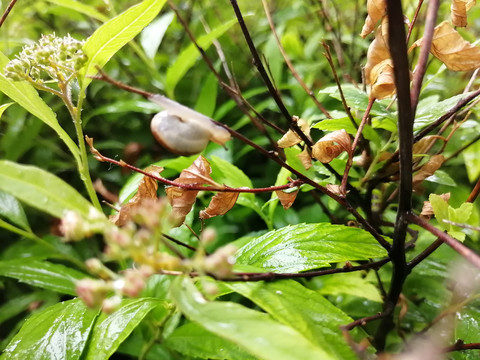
(459, 10)
(286, 198)
(450, 48)
(427, 210)
(336, 189)
(379, 67)
(331, 145)
(220, 204)
(376, 10)
(182, 199)
(291, 138)
(147, 191)
(305, 159)
(382, 80)
(433, 164)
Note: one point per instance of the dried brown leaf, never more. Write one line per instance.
(286, 198)
(428, 169)
(220, 204)
(450, 48)
(459, 10)
(382, 80)
(182, 199)
(376, 10)
(147, 191)
(291, 138)
(305, 159)
(336, 189)
(379, 67)
(331, 145)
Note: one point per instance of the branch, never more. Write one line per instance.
(289, 63)
(456, 245)
(263, 73)
(460, 345)
(421, 67)
(306, 275)
(7, 11)
(189, 187)
(398, 52)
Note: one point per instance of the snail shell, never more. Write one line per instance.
(182, 130)
(179, 136)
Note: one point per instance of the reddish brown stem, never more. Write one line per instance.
(456, 245)
(343, 188)
(7, 11)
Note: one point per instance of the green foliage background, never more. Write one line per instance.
(287, 319)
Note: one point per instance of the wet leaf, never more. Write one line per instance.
(450, 48)
(331, 145)
(376, 10)
(181, 199)
(291, 138)
(147, 190)
(220, 204)
(459, 10)
(286, 198)
(59, 332)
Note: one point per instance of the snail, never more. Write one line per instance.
(182, 130)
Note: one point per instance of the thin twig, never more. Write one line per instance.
(7, 11)
(305, 275)
(456, 245)
(289, 63)
(474, 194)
(460, 346)
(263, 73)
(178, 242)
(343, 188)
(414, 20)
(328, 56)
(421, 67)
(362, 322)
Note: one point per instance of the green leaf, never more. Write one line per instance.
(27, 97)
(189, 55)
(207, 98)
(152, 36)
(111, 330)
(252, 330)
(12, 210)
(41, 189)
(305, 310)
(59, 332)
(193, 340)
(441, 177)
(430, 109)
(114, 34)
(303, 247)
(81, 8)
(443, 211)
(348, 283)
(472, 161)
(42, 274)
(4, 107)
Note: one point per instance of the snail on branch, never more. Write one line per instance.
(182, 130)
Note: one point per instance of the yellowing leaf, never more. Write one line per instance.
(459, 10)
(450, 48)
(220, 204)
(286, 198)
(291, 138)
(376, 10)
(331, 145)
(147, 191)
(182, 199)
